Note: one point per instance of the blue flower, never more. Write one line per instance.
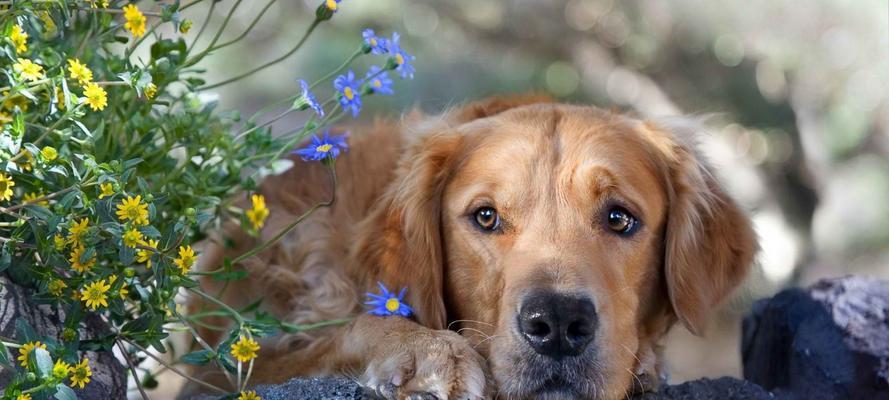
(319, 149)
(376, 44)
(388, 303)
(378, 80)
(401, 57)
(349, 89)
(307, 100)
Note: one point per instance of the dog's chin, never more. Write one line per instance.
(531, 376)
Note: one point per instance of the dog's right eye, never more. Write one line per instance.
(487, 219)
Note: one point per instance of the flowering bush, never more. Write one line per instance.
(111, 167)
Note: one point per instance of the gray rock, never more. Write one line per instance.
(830, 341)
(109, 379)
(724, 388)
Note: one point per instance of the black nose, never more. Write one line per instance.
(557, 325)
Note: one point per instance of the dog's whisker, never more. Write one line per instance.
(485, 335)
(468, 320)
(636, 377)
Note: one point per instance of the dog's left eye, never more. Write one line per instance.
(487, 219)
(620, 221)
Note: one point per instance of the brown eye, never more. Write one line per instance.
(487, 219)
(620, 221)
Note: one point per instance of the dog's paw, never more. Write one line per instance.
(424, 365)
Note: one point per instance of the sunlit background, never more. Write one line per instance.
(796, 95)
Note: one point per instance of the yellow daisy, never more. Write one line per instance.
(132, 237)
(28, 69)
(135, 20)
(245, 349)
(151, 91)
(26, 161)
(6, 184)
(78, 230)
(19, 38)
(81, 373)
(56, 286)
(23, 396)
(78, 266)
(259, 213)
(26, 350)
(249, 395)
(96, 97)
(93, 294)
(30, 197)
(59, 242)
(60, 98)
(49, 153)
(134, 210)
(107, 190)
(186, 258)
(80, 72)
(144, 255)
(61, 370)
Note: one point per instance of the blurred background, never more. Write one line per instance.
(797, 95)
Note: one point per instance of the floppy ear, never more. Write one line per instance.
(400, 243)
(709, 242)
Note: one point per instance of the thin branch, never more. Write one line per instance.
(132, 369)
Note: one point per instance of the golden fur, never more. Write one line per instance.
(400, 218)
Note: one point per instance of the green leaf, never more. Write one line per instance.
(230, 276)
(43, 361)
(64, 393)
(4, 356)
(24, 331)
(200, 357)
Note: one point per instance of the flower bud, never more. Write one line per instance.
(129, 272)
(190, 212)
(185, 26)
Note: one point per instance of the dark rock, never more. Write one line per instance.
(307, 388)
(724, 388)
(830, 341)
(109, 379)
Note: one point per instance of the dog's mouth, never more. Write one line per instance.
(555, 385)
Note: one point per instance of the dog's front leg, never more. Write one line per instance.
(397, 358)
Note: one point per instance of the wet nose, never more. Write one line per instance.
(557, 325)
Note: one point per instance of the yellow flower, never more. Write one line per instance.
(135, 20)
(78, 230)
(30, 197)
(259, 213)
(132, 237)
(249, 395)
(332, 5)
(144, 255)
(186, 258)
(26, 161)
(28, 69)
(76, 265)
(245, 349)
(56, 286)
(104, 3)
(107, 190)
(95, 96)
(81, 373)
(132, 209)
(185, 26)
(19, 38)
(49, 153)
(26, 350)
(93, 294)
(48, 23)
(23, 396)
(59, 242)
(151, 91)
(80, 72)
(61, 370)
(6, 184)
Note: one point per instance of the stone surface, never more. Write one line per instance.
(830, 341)
(109, 376)
(724, 388)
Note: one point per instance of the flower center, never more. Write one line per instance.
(3, 186)
(377, 83)
(373, 42)
(324, 148)
(392, 304)
(348, 93)
(133, 212)
(331, 4)
(399, 59)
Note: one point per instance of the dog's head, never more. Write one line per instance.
(562, 240)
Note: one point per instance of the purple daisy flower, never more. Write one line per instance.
(402, 58)
(379, 81)
(327, 146)
(387, 303)
(307, 100)
(376, 44)
(350, 94)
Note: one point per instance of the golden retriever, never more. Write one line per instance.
(546, 249)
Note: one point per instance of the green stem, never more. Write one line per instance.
(338, 69)
(264, 124)
(249, 28)
(215, 39)
(268, 64)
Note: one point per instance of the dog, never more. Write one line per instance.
(545, 250)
